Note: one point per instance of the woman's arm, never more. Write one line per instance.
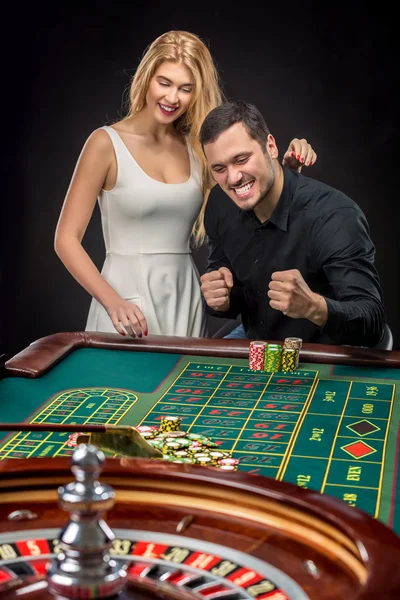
(89, 178)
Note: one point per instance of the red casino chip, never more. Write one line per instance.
(146, 428)
(256, 355)
(72, 440)
(229, 461)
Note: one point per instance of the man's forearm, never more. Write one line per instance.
(355, 322)
(319, 311)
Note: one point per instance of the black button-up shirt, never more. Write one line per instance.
(315, 229)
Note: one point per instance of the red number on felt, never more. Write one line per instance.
(206, 376)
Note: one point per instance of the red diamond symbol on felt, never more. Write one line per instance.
(358, 449)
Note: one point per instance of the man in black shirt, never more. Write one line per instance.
(291, 254)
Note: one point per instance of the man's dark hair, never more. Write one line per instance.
(223, 117)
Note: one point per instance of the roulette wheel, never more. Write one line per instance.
(147, 529)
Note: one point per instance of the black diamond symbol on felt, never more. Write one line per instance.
(363, 427)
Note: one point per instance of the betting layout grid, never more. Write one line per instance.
(97, 406)
(329, 435)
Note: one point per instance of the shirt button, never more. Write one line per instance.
(256, 261)
(261, 322)
(258, 292)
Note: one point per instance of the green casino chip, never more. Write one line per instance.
(272, 358)
(169, 457)
(155, 444)
(201, 438)
(172, 444)
(182, 442)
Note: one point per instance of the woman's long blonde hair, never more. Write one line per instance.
(189, 50)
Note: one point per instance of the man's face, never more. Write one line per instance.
(240, 166)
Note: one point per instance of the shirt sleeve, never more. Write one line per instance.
(216, 259)
(344, 251)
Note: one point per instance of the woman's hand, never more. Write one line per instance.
(128, 316)
(298, 155)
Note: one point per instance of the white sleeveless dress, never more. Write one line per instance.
(146, 227)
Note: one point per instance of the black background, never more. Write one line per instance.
(327, 73)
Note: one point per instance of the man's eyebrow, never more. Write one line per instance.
(169, 81)
(232, 159)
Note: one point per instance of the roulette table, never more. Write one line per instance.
(332, 426)
(311, 512)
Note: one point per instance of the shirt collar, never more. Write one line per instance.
(280, 215)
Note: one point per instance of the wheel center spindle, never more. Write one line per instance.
(84, 568)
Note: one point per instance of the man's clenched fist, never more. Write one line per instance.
(289, 293)
(216, 288)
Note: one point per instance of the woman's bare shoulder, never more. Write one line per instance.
(98, 142)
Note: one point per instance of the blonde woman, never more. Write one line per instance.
(150, 177)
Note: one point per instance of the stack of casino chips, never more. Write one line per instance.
(288, 360)
(289, 344)
(170, 424)
(274, 357)
(187, 448)
(272, 360)
(264, 357)
(257, 355)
